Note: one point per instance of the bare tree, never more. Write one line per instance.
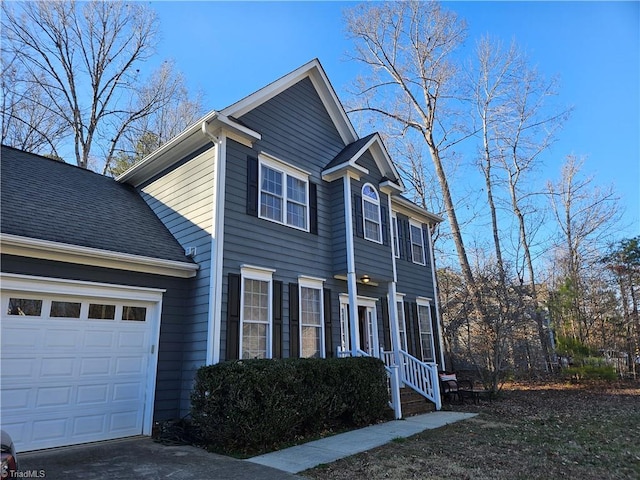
(84, 60)
(517, 126)
(408, 48)
(27, 123)
(585, 215)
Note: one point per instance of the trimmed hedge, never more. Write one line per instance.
(250, 406)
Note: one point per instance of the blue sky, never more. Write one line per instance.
(230, 49)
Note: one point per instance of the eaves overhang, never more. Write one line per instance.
(414, 209)
(64, 252)
(213, 124)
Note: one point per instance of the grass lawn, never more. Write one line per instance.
(531, 431)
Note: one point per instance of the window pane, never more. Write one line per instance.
(134, 314)
(369, 191)
(271, 181)
(65, 309)
(310, 342)
(25, 307)
(371, 231)
(296, 190)
(271, 206)
(254, 340)
(417, 250)
(102, 312)
(371, 212)
(310, 306)
(296, 215)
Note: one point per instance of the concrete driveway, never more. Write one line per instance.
(140, 458)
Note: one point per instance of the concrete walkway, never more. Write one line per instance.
(301, 457)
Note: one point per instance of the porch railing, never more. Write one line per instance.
(421, 376)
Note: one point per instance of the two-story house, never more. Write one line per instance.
(268, 229)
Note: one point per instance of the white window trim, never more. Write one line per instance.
(286, 170)
(426, 302)
(249, 272)
(419, 227)
(316, 284)
(366, 198)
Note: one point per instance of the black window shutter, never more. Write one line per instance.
(294, 321)
(328, 337)
(233, 317)
(277, 320)
(252, 186)
(402, 237)
(386, 325)
(313, 208)
(407, 238)
(357, 215)
(384, 214)
(411, 328)
(416, 329)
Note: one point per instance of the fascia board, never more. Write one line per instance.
(64, 252)
(318, 77)
(410, 207)
(167, 154)
(347, 168)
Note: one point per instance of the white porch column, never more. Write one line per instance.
(351, 268)
(391, 296)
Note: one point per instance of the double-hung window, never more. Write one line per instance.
(311, 315)
(371, 213)
(256, 308)
(284, 194)
(426, 332)
(417, 243)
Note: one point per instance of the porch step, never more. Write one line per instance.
(413, 403)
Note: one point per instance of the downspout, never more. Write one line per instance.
(217, 244)
(351, 267)
(435, 298)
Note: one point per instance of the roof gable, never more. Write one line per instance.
(314, 71)
(349, 156)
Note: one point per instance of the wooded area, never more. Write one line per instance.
(537, 280)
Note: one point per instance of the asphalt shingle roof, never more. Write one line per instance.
(348, 152)
(52, 200)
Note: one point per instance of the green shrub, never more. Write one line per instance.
(590, 373)
(250, 406)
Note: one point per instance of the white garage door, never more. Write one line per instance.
(78, 361)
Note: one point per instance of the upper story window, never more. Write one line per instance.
(371, 213)
(417, 243)
(284, 195)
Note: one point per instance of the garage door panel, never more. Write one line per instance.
(67, 381)
(92, 394)
(61, 338)
(130, 365)
(98, 339)
(95, 366)
(53, 396)
(58, 368)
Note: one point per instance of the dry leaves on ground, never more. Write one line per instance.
(530, 431)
